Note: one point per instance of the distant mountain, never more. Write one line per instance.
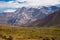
(25, 15)
(51, 20)
(3, 19)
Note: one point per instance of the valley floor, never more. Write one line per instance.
(29, 33)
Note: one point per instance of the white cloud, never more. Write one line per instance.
(10, 4)
(20, 0)
(9, 10)
(29, 3)
(41, 2)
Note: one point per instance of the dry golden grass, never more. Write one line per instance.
(29, 33)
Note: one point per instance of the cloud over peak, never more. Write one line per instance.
(40, 2)
(28, 3)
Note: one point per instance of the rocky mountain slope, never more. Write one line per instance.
(26, 15)
(51, 20)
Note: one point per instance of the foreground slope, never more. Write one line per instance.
(29, 33)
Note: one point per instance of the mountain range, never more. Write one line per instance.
(51, 20)
(25, 16)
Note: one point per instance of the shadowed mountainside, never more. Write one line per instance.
(51, 20)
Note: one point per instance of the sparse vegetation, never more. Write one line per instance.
(29, 33)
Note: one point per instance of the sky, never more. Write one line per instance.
(12, 5)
